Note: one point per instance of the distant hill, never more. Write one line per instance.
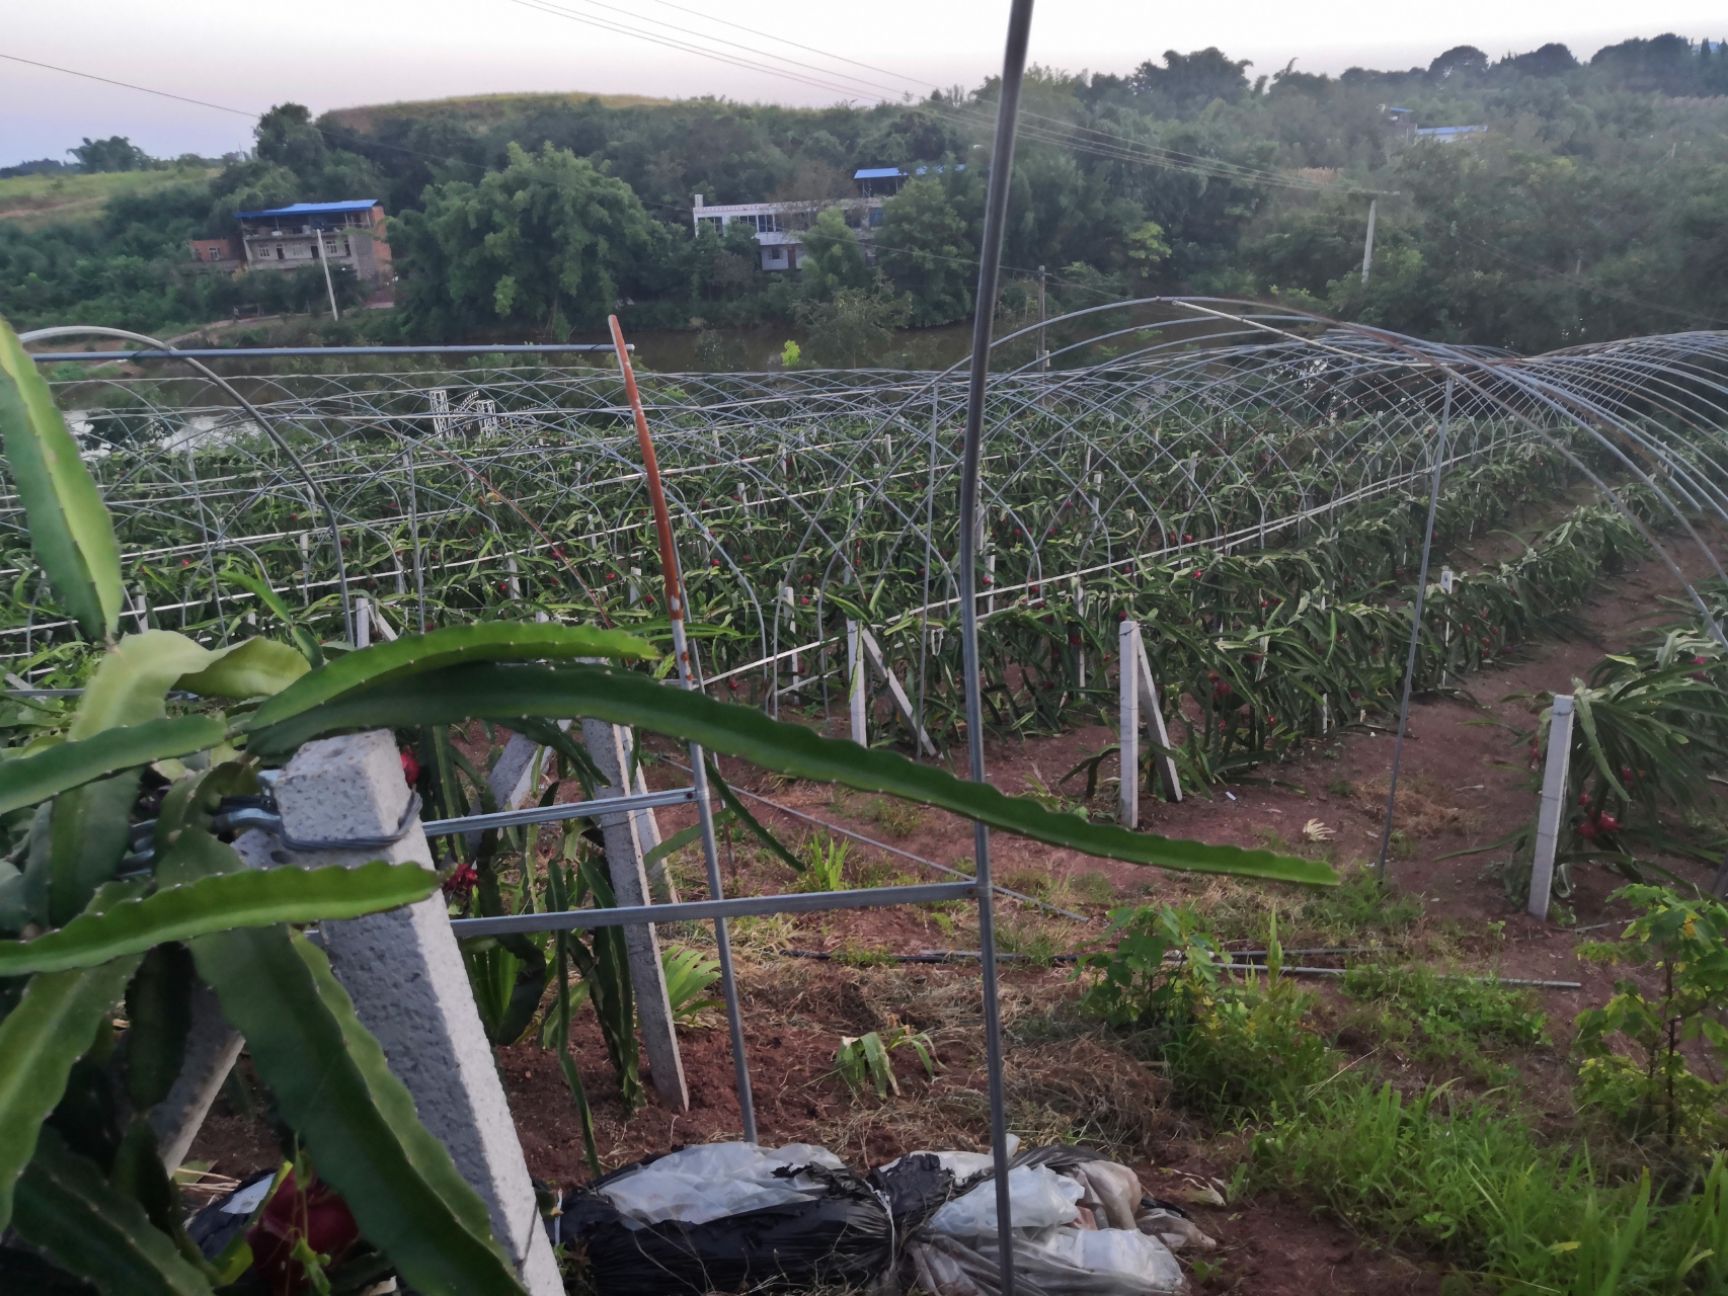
(53, 198)
(480, 110)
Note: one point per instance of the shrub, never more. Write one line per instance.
(1656, 1091)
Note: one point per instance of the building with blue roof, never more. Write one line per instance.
(350, 234)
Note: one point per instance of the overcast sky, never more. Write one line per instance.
(249, 55)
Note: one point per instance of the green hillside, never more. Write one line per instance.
(60, 199)
(480, 110)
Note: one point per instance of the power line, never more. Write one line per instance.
(128, 85)
(1101, 144)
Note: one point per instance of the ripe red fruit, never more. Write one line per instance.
(1607, 823)
(1587, 830)
(315, 1215)
(805, 600)
(713, 562)
(1199, 573)
(1187, 539)
(1583, 800)
(460, 883)
(410, 768)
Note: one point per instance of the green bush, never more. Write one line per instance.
(1231, 1048)
(1656, 1091)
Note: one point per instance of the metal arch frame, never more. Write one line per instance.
(88, 330)
(1374, 389)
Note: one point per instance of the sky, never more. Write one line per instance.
(250, 56)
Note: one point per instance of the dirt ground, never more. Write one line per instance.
(1465, 782)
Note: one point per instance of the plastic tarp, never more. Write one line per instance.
(730, 1217)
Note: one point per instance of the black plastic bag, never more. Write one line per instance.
(841, 1233)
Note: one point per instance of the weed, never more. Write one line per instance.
(880, 873)
(1093, 888)
(1030, 882)
(1481, 1010)
(860, 956)
(868, 1059)
(1162, 968)
(689, 973)
(896, 818)
(1029, 938)
(1439, 1174)
(1360, 907)
(824, 863)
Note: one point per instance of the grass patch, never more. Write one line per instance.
(1440, 1174)
(1093, 888)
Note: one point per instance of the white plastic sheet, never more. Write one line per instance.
(712, 1180)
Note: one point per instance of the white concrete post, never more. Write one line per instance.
(903, 704)
(857, 694)
(1552, 812)
(515, 579)
(1138, 702)
(405, 974)
(305, 565)
(1448, 581)
(989, 582)
(635, 586)
(1080, 652)
(212, 1049)
(362, 621)
(1128, 728)
(605, 743)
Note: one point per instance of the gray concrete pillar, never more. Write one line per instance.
(409, 986)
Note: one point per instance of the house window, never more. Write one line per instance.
(280, 254)
(347, 248)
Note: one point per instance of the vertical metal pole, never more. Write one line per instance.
(673, 580)
(414, 534)
(1043, 348)
(1368, 242)
(983, 312)
(1415, 630)
(323, 260)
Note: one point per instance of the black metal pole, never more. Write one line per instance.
(984, 310)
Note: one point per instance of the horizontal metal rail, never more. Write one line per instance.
(554, 813)
(255, 353)
(705, 910)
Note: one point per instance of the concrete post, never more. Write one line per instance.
(857, 695)
(1140, 706)
(212, 1048)
(1553, 807)
(605, 743)
(405, 974)
(874, 656)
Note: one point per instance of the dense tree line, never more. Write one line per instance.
(1595, 204)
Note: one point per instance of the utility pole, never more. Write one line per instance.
(1368, 243)
(318, 250)
(1043, 351)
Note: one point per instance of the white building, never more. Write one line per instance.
(779, 226)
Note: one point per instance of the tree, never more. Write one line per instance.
(116, 153)
(854, 327)
(1188, 82)
(832, 259)
(286, 137)
(924, 250)
(1459, 61)
(1552, 59)
(1147, 250)
(550, 237)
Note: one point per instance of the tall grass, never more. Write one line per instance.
(1445, 1176)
